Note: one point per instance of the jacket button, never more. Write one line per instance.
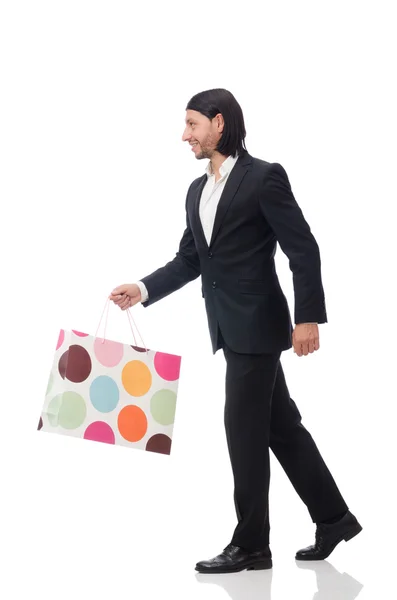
(214, 284)
(209, 254)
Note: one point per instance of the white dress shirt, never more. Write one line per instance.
(209, 200)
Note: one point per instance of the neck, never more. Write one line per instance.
(216, 161)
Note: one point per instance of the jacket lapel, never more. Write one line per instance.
(232, 184)
(197, 208)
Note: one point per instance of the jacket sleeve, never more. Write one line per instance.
(176, 273)
(285, 218)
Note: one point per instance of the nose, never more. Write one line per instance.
(185, 136)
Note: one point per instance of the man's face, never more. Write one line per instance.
(202, 133)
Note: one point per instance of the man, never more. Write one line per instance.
(235, 215)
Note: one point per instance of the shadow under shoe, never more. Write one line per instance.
(253, 585)
(331, 584)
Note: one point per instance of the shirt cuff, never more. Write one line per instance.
(144, 292)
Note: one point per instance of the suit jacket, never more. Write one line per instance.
(240, 285)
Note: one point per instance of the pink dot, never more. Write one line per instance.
(167, 366)
(79, 333)
(60, 339)
(108, 353)
(99, 432)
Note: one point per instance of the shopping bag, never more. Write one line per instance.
(107, 391)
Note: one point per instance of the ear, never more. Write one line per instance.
(220, 123)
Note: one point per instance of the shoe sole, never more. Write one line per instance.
(346, 536)
(257, 566)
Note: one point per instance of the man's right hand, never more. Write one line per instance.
(126, 295)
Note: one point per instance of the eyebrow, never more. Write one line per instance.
(190, 120)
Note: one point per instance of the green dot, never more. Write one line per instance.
(68, 410)
(50, 383)
(162, 407)
(53, 410)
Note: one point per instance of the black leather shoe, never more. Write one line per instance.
(328, 537)
(233, 559)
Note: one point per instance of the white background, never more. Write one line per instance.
(93, 182)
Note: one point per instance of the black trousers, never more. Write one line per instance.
(260, 414)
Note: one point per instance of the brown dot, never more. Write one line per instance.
(75, 364)
(138, 349)
(62, 364)
(40, 423)
(159, 443)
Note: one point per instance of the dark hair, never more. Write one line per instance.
(212, 102)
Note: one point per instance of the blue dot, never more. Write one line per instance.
(104, 393)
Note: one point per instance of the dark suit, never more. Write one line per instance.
(249, 318)
(239, 281)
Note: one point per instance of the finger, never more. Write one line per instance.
(123, 299)
(115, 297)
(311, 346)
(124, 303)
(305, 348)
(127, 303)
(119, 299)
(119, 291)
(316, 343)
(298, 349)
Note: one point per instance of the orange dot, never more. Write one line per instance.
(132, 423)
(136, 378)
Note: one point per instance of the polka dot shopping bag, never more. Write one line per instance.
(106, 391)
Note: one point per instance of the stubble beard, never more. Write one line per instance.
(204, 153)
(205, 149)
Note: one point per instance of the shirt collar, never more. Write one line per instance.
(225, 167)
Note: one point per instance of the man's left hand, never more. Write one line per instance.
(305, 338)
